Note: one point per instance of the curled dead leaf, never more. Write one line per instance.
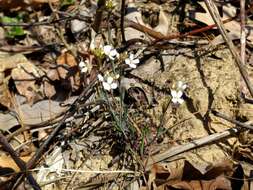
(28, 81)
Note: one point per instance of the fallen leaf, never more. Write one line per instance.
(134, 15)
(37, 113)
(63, 61)
(234, 27)
(215, 184)
(25, 76)
(7, 63)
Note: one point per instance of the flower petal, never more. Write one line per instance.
(179, 94)
(114, 85)
(132, 66)
(174, 100)
(173, 93)
(107, 49)
(131, 56)
(184, 87)
(116, 76)
(100, 78)
(106, 86)
(180, 100)
(109, 80)
(114, 53)
(136, 61)
(82, 64)
(84, 70)
(127, 61)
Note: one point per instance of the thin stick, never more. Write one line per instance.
(199, 142)
(21, 164)
(243, 35)
(99, 15)
(223, 116)
(90, 171)
(123, 2)
(216, 17)
(189, 146)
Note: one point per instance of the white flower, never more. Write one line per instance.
(100, 78)
(83, 66)
(177, 97)
(84, 70)
(108, 83)
(111, 52)
(181, 86)
(131, 61)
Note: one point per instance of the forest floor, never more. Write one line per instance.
(128, 94)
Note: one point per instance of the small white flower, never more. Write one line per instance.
(83, 66)
(177, 97)
(131, 61)
(84, 70)
(111, 52)
(100, 78)
(108, 83)
(181, 86)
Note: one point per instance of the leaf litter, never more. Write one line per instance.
(93, 100)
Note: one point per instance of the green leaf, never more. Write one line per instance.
(12, 31)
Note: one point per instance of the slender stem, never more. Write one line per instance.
(243, 35)
(216, 17)
(123, 2)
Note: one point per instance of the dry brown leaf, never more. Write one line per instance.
(7, 63)
(183, 175)
(135, 16)
(215, 184)
(233, 26)
(24, 76)
(39, 112)
(228, 12)
(68, 59)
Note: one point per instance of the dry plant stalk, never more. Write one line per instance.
(216, 17)
(243, 34)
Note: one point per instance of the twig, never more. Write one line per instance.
(123, 2)
(69, 113)
(21, 164)
(189, 146)
(243, 35)
(232, 120)
(99, 15)
(199, 142)
(216, 17)
(91, 171)
(33, 161)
